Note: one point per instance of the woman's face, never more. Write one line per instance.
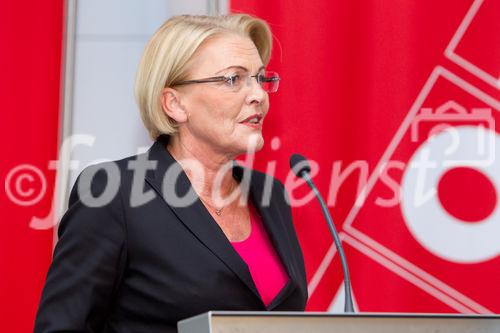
(229, 121)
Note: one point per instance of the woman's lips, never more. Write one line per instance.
(255, 126)
(253, 121)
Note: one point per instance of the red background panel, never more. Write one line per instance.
(30, 65)
(350, 72)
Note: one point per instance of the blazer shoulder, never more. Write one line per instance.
(95, 179)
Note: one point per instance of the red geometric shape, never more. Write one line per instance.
(477, 196)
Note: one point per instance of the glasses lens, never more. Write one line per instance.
(269, 81)
(233, 81)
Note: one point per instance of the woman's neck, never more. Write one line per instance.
(206, 175)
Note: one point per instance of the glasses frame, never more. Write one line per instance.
(229, 79)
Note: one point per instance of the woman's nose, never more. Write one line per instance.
(256, 92)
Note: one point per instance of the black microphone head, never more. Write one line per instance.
(299, 165)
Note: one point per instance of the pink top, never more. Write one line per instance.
(264, 264)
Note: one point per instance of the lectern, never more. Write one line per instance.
(320, 322)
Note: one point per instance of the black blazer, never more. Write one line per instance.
(120, 268)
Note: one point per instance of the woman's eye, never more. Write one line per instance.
(233, 79)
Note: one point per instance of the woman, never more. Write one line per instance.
(148, 240)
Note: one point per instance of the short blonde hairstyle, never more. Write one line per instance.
(167, 53)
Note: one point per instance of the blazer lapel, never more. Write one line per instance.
(194, 216)
(275, 227)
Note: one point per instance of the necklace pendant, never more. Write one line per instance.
(218, 212)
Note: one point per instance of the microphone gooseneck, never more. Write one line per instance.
(300, 166)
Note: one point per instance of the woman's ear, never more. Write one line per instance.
(171, 105)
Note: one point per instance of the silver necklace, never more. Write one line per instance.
(217, 211)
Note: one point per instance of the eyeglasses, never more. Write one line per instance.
(269, 81)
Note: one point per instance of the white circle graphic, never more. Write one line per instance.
(434, 228)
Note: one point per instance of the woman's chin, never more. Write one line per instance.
(248, 145)
(254, 142)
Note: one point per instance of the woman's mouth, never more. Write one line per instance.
(254, 121)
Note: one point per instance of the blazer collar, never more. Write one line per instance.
(199, 221)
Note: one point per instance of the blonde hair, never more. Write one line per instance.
(167, 53)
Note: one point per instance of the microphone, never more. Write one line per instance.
(300, 166)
